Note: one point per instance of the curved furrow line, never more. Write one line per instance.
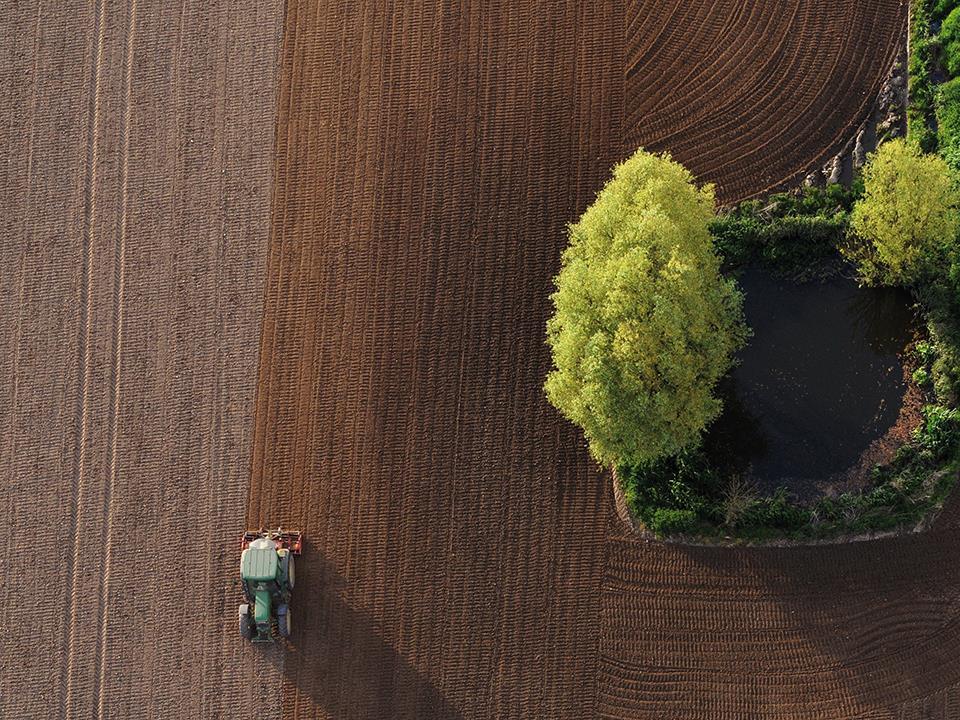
(797, 119)
(676, 55)
(722, 111)
(733, 68)
(637, 63)
(801, 146)
(727, 133)
(861, 35)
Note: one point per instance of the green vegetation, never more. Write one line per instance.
(908, 215)
(790, 234)
(644, 323)
(900, 226)
(942, 8)
(906, 210)
(950, 42)
(687, 495)
(923, 50)
(948, 122)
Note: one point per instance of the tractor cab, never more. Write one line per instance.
(267, 576)
(259, 563)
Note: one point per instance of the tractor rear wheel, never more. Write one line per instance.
(286, 567)
(283, 620)
(246, 629)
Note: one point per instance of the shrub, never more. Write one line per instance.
(942, 8)
(794, 243)
(644, 323)
(737, 499)
(682, 481)
(940, 430)
(945, 373)
(950, 42)
(788, 244)
(776, 512)
(925, 351)
(737, 238)
(948, 122)
(669, 521)
(908, 213)
(920, 112)
(943, 324)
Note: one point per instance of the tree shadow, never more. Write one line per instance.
(878, 621)
(338, 662)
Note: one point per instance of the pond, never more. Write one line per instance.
(818, 396)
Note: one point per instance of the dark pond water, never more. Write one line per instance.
(819, 381)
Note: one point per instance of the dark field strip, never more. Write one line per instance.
(464, 558)
(402, 357)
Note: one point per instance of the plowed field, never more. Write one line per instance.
(465, 558)
(135, 186)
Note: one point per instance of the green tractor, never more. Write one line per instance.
(267, 574)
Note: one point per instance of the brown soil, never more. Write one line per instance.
(465, 559)
(136, 178)
(753, 95)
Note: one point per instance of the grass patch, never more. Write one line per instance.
(950, 43)
(948, 122)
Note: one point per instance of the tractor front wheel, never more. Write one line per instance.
(283, 620)
(246, 629)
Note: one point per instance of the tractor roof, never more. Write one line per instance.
(259, 560)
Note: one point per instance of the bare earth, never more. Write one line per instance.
(136, 186)
(464, 557)
(466, 560)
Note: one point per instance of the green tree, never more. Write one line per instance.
(908, 214)
(644, 324)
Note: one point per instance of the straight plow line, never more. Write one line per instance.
(118, 302)
(77, 486)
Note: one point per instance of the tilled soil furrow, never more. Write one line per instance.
(765, 131)
(856, 626)
(43, 187)
(423, 359)
(464, 558)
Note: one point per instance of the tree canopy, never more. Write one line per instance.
(644, 323)
(908, 213)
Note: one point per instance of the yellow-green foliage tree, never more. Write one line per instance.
(644, 323)
(908, 214)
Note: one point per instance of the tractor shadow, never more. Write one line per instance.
(337, 658)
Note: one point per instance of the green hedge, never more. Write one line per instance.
(918, 480)
(790, 233)
(948, 122)
(923, 49)
(950, 43)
